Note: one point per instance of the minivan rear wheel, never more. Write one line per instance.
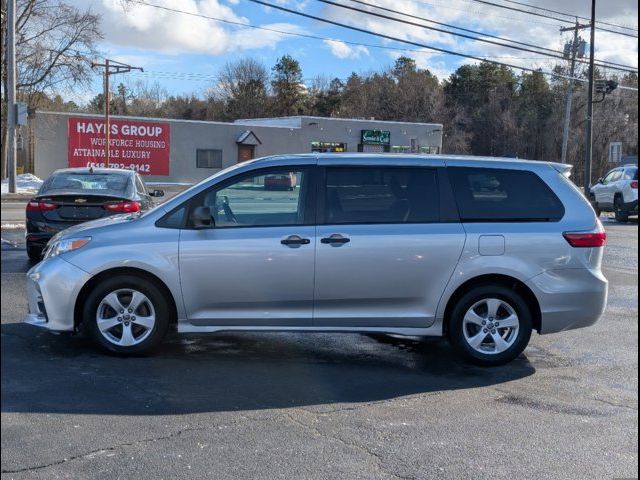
(490, 325)
(127, 315)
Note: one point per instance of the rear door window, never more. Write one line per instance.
(357, 195)
(502, 195)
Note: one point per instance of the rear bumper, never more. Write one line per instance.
(570, 298)
(38, 240)
(40, 231)
(52, 288)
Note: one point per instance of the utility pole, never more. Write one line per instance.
(572, 49)
(111, 67)
(11, 95)
(588, 156)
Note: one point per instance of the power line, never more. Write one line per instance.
(602, 22)
(312, 37)
(554, 53)
(528, 12)
(447, 25)
(396, 39)
(484, 13)
(315, 37)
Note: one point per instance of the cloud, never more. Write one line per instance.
(164, 31)
(535, 30)
(343, 51)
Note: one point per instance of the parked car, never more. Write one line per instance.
(617, 192)
(75, 195)
(285, 181)
(483, 251)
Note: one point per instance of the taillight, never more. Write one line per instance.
(586, 239)
(593, 239)
(36, 206)
(122, 207)
(634, 184)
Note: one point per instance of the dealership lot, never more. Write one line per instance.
(322, 406)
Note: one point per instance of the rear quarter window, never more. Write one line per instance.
(502, 195)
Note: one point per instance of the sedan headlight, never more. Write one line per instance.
(65, 245)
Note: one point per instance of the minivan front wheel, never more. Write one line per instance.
(490, 325)
(126, 315)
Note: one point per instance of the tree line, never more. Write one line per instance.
(485, 109)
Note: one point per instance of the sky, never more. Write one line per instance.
(183, 53)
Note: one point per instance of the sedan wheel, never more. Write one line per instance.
(126, 317)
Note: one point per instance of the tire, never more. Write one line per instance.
(620, 214)
(34, 253)
(466, 328)
(129, 333)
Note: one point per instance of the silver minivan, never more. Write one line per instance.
(480, 250)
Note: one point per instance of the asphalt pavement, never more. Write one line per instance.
(323, 406)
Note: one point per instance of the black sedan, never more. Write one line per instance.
(74, 195)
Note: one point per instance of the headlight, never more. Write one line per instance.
(65, 245)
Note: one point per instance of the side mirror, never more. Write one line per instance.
(600, 180)
(156, 193)
(201, 218)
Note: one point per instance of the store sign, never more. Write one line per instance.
(375, 137)
(324, 147)
(134, 144)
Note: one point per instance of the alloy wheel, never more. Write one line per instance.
(125, 317)
(490, 326)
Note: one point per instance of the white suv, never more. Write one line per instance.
(617, 192)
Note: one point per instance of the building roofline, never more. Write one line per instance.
(311, 117)
(149, 119)
(257, 122)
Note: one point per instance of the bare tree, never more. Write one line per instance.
(243, 88)
(54, 44)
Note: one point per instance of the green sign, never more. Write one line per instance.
(375, 137)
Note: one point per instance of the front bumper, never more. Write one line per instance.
(52, 289)
(570, 298)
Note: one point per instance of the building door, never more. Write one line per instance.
(246, 152)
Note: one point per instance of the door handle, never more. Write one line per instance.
(294, 240)
(335, 239)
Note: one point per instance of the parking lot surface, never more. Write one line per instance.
(323, 406)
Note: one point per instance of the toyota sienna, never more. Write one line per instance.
(481, 250)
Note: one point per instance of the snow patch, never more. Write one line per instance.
(25, 183)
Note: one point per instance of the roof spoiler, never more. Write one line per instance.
(563, 168)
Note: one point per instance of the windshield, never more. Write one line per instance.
(112, 184)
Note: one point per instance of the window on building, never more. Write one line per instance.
(209, 158)
(430, 150)
(401, 149)
(381, 195)
(501, 195)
